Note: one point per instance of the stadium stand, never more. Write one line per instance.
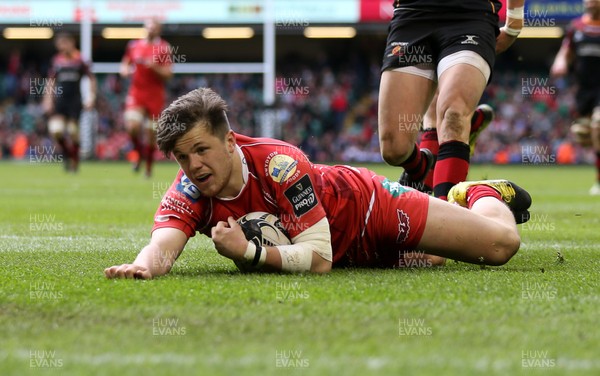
(331, 114)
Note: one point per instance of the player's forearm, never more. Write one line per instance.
(48, 90)
(124, 68)
(515, 14)
(511, 4)
(164, 72)
(274, 261)
(310, 251)
(560, 64)
(156, 261)
(162, 252)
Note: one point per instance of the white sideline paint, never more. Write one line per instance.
(374, 363)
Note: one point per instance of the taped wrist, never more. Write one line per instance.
(255, 256)
(514, 21)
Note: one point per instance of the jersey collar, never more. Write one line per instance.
(245, 174)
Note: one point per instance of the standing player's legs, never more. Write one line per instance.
(595, 132)
(134, 120)
(463, 77)
(73, 131)
(73, 113)
(403, 99)
(153, 107)
(406, 88)
(56, 129)
(429, 139)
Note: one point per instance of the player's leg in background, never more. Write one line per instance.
(134, 119)
(460, 88)
(595, 125)
(150, 129)
(481, 118)
(153, 106)
(56, 129)
(429, 139)
(73, 132)
(403, 99)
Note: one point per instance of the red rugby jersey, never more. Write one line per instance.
(142, 52)
(279, 179)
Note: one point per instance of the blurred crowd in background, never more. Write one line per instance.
(329, 110)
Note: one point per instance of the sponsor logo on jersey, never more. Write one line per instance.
(403, 226)
(302, 196)
(280, 167)
(186, 187)
(397, 48)
(470, 40)
(395, 188)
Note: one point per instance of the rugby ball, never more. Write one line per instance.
(264, 229)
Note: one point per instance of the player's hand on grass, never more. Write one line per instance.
(128, 271)
(229, 239)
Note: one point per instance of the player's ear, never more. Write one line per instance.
(230, 141)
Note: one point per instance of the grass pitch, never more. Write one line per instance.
(59, 315)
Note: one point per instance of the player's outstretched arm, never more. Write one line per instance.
(311, 250)
(155, 259)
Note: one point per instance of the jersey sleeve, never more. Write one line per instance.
(290, 175)
(182, 207)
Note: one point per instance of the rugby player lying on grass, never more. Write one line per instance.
(334, 215)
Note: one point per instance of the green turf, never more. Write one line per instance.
(58, 315)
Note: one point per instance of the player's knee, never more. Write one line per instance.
(455, 122)
(133, 120)
(504, 248)
(395, 149)
(56, 127)
(72, 128)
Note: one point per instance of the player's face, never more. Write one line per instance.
(207, 160)
(64, 45)
(152, 28)
(592, 7)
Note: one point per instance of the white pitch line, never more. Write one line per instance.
(372, 362)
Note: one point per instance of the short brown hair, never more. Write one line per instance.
(198, 107)
(64, 35)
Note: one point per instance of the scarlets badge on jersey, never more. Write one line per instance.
(280, 167)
